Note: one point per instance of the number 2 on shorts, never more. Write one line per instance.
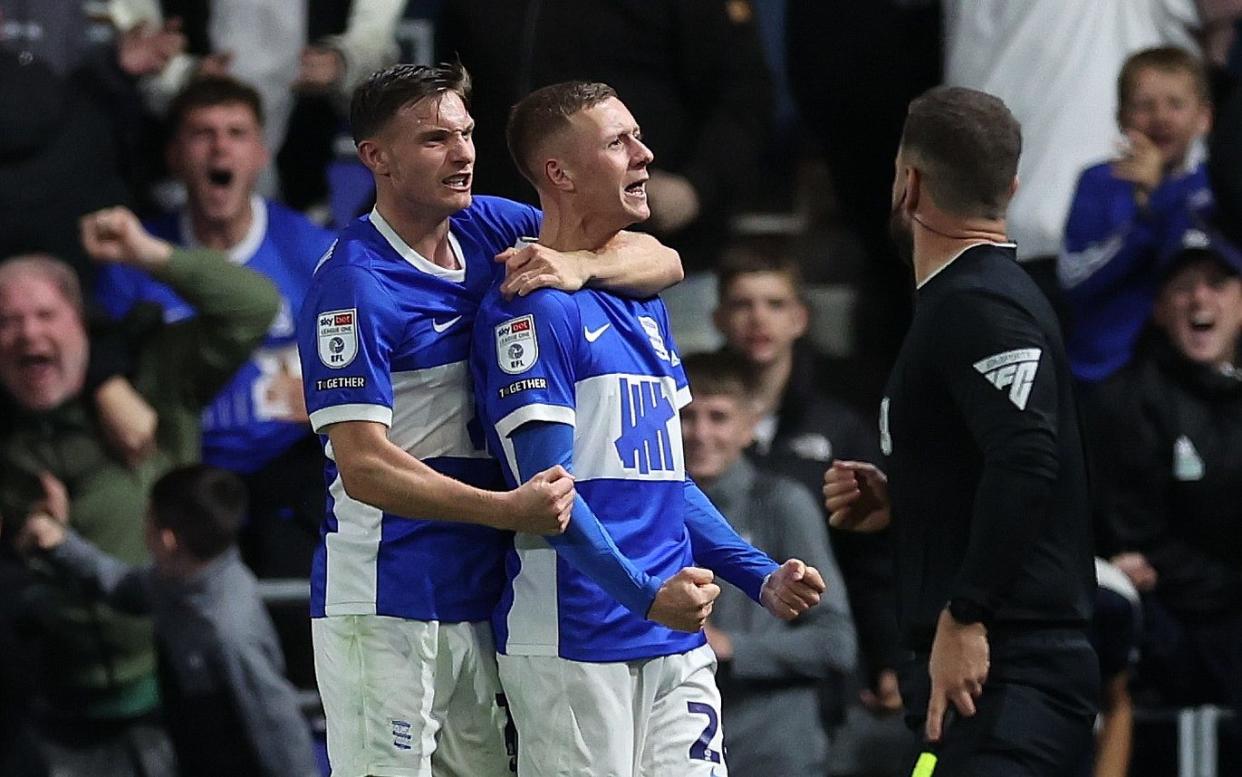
(701, 749)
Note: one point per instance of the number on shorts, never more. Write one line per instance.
(701, 750)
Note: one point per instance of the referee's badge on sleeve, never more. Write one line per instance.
(338, 337)
(517, 348)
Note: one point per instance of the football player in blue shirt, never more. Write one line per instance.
(592, 382)
(410, 566)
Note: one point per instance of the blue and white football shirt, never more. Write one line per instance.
(384, 336)
(249, 423)
(607, 366)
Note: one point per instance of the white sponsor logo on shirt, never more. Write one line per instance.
(592, 335)
(441, 326)
(1014, 370)
(517, 348)
(338, 337)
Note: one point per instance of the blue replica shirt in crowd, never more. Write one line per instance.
(252, 420)
(1113, 261)
(384, 336)
(606, 366)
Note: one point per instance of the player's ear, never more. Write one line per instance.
(558, 175)
(914, 188)
(373, 156)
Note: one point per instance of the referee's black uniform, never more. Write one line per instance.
(989, 500)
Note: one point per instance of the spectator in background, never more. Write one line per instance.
(801, 429)
(69, 120)
(1072, 51)
(1126, 210)
(228, 705)
(282, 48)
(770, 670)
(1172, 421)
(97, 680)
(257, 425)
(692, 69)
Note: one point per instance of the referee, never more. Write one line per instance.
(988, 490)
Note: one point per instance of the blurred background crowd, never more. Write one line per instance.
(223, 125)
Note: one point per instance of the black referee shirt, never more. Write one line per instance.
(985, 462)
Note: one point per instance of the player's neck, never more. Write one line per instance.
(566, 230)
(940, 238)
(222, 234)
(771, 379)
(426, 234)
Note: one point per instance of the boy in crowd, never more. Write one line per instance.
(1125, 211)
(801, 429)
(770, 670)
(230, 708)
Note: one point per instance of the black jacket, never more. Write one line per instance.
(987, 472)
(1171, 487)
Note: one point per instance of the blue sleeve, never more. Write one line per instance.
(585, 544)
(1108, 238)
(717, 547)
(510, 221)
(347, 330)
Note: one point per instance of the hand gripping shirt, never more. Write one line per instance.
(384, 336)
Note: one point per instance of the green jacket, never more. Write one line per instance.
(96, 661)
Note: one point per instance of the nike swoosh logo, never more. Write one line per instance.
(440, 327)
(592, 335)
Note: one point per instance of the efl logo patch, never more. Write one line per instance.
(1014, 370)
(338, 337)
(517, 348)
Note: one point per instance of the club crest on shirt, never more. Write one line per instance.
(517, 348)
(657, 340)
(338, 337)
(1013, 370)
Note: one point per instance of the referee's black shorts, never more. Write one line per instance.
(1034, 719)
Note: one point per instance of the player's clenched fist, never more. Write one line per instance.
(685, 600)
(792, 589)
(543, 504)
(116, 235)
(856, 496)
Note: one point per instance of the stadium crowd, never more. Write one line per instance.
(173, 173)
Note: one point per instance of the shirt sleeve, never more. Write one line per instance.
(526, 353)
(674, 357)
(347, 331)
(998, 369)
(123, 587)
(719, 548)
(585, 544)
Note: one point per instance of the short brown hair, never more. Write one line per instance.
(968, 144)
(51, 269)
(715, 374)
(210, 91)
(387, 91)
(544, 112)
(202, 506)
(1168, 59)
(757, 255)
